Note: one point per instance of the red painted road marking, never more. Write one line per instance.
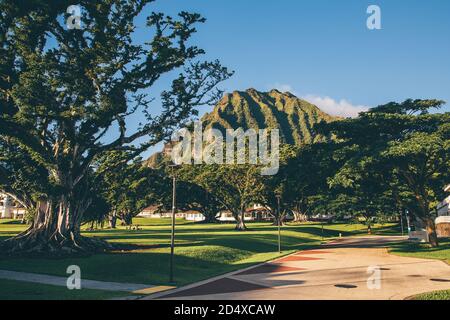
(270, 268)
(312, 252)
(297, 258)
(224, 285)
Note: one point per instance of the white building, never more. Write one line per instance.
(193, 215)
(6, 207)
(227, 216)
(150, 212)
(254, 213)
(157, 212)
(443, 220)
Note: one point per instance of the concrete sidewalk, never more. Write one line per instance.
(85, 284)
(338, 270)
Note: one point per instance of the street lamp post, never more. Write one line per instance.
(407, 221)
(401, 221)
(322, 230)
(279, 223)
(172, 238)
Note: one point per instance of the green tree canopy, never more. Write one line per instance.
(67, 95)
(401, 148)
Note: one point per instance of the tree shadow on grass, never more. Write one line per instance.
(242, 241)
(201, 252)
(417, 247)
(7, 234)
(134, 267)
(197, 257)
(228, 230)
(13, 222)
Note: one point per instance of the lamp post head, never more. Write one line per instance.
(174, 168)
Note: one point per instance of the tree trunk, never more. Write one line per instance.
(298, 217)
(431, 230)
(112, 220)
(259, 217)
(209, 218)
(424, 207)
(240, 222)
(425, 217)
(127, 219)
(278, 220)
(55, 231)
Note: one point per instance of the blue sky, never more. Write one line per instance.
(322, 49)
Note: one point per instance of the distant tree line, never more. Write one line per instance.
(390, 161)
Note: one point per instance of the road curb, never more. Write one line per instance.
(203, 282)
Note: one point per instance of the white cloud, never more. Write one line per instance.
(283, 87)
(342, 108)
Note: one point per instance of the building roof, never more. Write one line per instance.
(152, 208)
(261, 209)
(189, 212)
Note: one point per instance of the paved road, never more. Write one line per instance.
(338, 270)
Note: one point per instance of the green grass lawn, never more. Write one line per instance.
(18, 290)
(437, 295)
(202, 251)
(423, 250)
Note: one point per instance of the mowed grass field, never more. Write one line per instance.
(19, 290)
(202, 250)
(437, 295)
(423, 250)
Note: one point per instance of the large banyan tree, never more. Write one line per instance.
(67, 95)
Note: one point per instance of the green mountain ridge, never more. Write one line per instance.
(252, 109)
